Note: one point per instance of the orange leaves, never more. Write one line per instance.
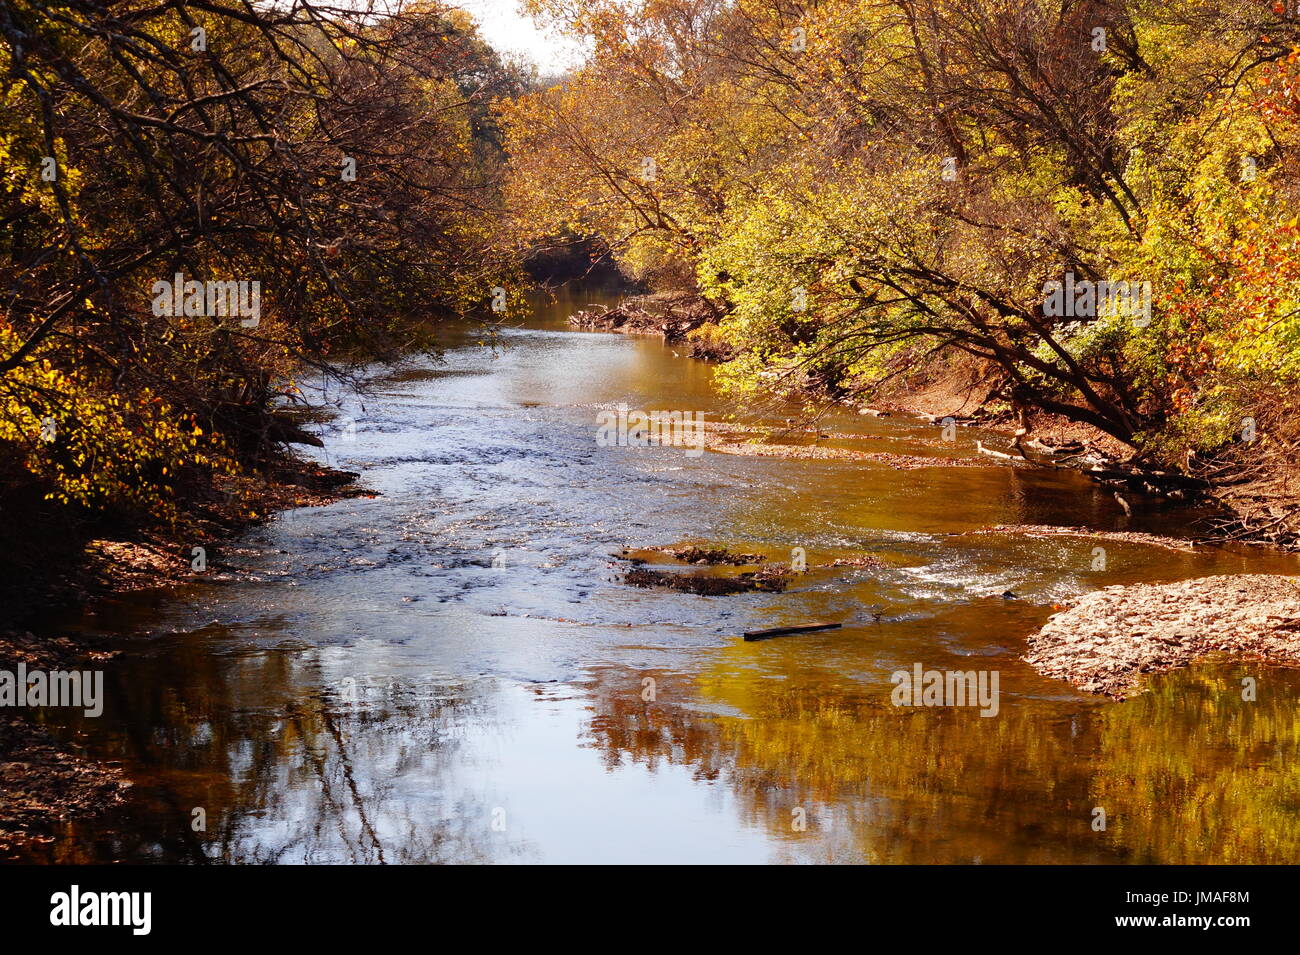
(1277, 97)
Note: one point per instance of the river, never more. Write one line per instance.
(372, 689)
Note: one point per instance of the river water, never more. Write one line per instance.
(373, 689)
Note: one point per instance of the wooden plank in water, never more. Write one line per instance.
(782, 631)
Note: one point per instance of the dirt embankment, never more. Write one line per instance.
(1257, 482)
(680, 318)
(1105, 642)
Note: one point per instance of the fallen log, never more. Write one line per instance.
(782, 631)
(1147, 482)
(979, 446)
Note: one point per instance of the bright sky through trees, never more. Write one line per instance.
(510, 31)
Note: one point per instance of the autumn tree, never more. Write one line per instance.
(344, 159)
(860, 185)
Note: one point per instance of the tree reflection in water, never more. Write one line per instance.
(1188, 772)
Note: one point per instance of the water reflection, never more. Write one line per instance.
(437, 770)
(1189, 773)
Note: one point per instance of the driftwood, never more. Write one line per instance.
(979, 446)
(782, 631)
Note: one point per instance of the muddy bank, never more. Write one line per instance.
(1105, 642)
(1257, 483)
(971, 392)
(1254, 485)
(680, 318)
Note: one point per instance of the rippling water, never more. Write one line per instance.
(375, 690)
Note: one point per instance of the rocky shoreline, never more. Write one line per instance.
(1110, 638)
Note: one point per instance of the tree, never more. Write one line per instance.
(341, 161)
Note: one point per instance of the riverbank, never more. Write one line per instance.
(969, 392)
(1255, 488)
(963, 390)
(51, 561)
(44, 782)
